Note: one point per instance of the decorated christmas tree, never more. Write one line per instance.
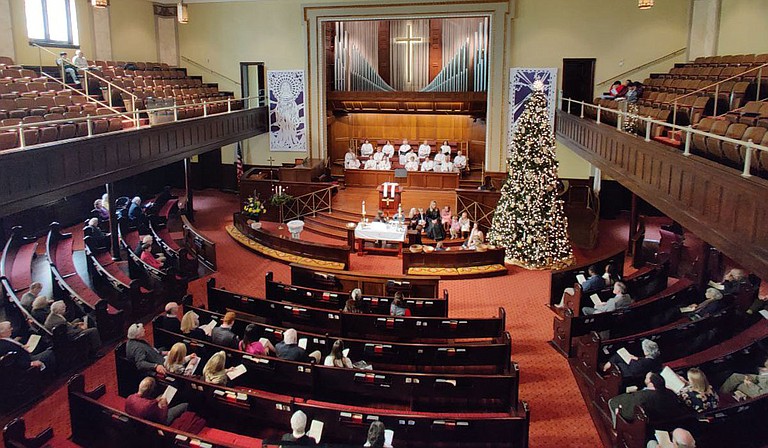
(529, 219)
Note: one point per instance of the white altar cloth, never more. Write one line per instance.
(379, 231)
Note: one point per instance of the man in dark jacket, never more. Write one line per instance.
(223, 335)
(23, 359)
(659, 403)
(146, 358)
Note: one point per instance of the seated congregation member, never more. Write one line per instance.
(252, 344)
(658, 402)
(99, 239)
(67, 67)
(638, 367)
(594, 282)
(215, 370)
(298, 435)
(41, 307)
(404, 149)
(170, 320)
(75, 329)
(698, 394)
(289, 349)
(748, 385)
(732, 283)
(380, 217)
(459, 162)
(455, 227)
(190, 326)
(223, 335)
(366, 149)
(388, 150)
(398, 306)
(427, 165)
(101, 211)
(619, 301)
(350, 160)
(439, 247)
(434, 222)
(146, 358)
(617, 90)
(609, 276)
(143, 404)
(136, 212)
(375, 437)
(147, 257)
(680, 439)
(713, 302)
(411, 162)
(370, 164)
(336, 358)
(424, 150)
(31, 295)
(760, 303)
(466, 225)
(41, 359)
(445, 149)
(475, 238)
(177, 359)
(445, 217)
(384, 164)
(354, 304)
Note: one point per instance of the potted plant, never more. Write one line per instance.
(253, 208)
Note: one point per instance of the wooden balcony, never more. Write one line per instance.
(42, 174)
(713, 201)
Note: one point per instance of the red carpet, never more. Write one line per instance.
(559, 417)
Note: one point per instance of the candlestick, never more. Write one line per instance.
(363, 207)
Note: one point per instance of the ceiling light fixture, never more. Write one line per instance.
(182, 15)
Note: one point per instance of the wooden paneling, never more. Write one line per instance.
(384, 45)
(416, 179)
(50, 172)
(435, 48)
(370, 284)
(453, 258)
(714, 202)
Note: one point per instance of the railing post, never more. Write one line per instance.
(619, 116)
(599, 108)
(648, 126)
(687, 151)
(582, 110)
(330, 199)
(22, 143)
(109, 92)
(717, 97)
(560, 101)
(674, 113)
(748, 160)
(759, 81)
(175, 113)
(90, 126)
(569, 104)
(229, 104)
(205, 109)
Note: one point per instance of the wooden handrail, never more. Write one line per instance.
(640, 67)
(184, 58)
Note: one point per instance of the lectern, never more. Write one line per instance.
(390, 195)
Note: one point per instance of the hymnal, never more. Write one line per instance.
(236, 371)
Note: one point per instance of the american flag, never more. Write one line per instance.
(239, 162)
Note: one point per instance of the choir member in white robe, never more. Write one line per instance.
(384, 164)
(427, 165)
(424, 150)
(370, 164)
(350, 160)
(412, 165)
(460, 161)
(439, 159)
(404, 149)
(446, 167)
(378, 155)
(446, 148)
(388, 150)
(366, 149)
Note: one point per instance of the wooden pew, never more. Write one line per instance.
(198, 245)
(489, 357)
(566, 278)
(456, 263)
(385, 285)
(423, 392)
(68, 286)
(127, 293)
(349, 325)
(96, 423)
(652, 312)
(251, 411)
(15, 435)
(334, 300)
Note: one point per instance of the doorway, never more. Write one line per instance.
(579, 79)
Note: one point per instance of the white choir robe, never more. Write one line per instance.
(370, 164)
(413, 165)
(388, 150)
(460, 162)
(352, 164)
(384, 164)
(378, 156)
(366, 149)
(446, 167)
(427, 165)
(439, 158)
(445, 149)
(404, 149)
(424, 151)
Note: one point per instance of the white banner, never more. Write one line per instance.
(287, 111)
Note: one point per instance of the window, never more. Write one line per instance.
(52, 22)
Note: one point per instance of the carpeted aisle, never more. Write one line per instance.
(559, 416)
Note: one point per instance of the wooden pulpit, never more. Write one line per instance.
(389, 197)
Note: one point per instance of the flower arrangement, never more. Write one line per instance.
(280, 197)
(253, 208)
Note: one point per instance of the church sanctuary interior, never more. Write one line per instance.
(349, 223)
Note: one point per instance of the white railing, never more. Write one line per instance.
(19, 128)
(568, 105)
(309, 204)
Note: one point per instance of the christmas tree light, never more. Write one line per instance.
(529, 220)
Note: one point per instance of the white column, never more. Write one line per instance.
(167, 40)
(6, 30)
(704, 28)
(102, 35)
(597, 179)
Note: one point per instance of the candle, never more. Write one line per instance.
(363, 207)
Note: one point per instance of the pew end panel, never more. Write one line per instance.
(587, 356)
(606, 386)
(634, 433)
(15, 435)
(561, 333)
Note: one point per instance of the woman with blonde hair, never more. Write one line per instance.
(215, 370)
(698, 393)
(190, 326)
(177, 358)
